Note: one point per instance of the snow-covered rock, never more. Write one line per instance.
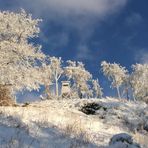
(123, 140)
(123, 137)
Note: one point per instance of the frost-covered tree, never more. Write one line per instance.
(115, 73)
(126, 91)
(76, 72)
(97, 88)
(56, 71)
(19, 58)
(46, 78)
(139, 81)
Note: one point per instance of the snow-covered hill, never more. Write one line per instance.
(67, 124)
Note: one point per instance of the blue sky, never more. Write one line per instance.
(90, 31)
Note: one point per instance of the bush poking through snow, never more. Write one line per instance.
(142, 139)
(76, 130)
(91, 108)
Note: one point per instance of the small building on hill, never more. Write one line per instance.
(65, 90)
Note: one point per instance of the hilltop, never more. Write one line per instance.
(72, 123)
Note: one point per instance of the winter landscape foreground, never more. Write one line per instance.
(73, 123)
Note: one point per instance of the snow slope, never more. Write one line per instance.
(61, 124)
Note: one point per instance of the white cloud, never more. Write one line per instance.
(58, 40)
(83, 53)
(142, 56)
(75, 7)
(78, 16)
(99, 7)
(133, 19)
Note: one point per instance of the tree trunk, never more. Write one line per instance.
(57, 88)
(118, 91)
(47, 92)
(5, 96)
(127, 94)
(134, 96)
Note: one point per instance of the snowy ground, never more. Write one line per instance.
(61, 124)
